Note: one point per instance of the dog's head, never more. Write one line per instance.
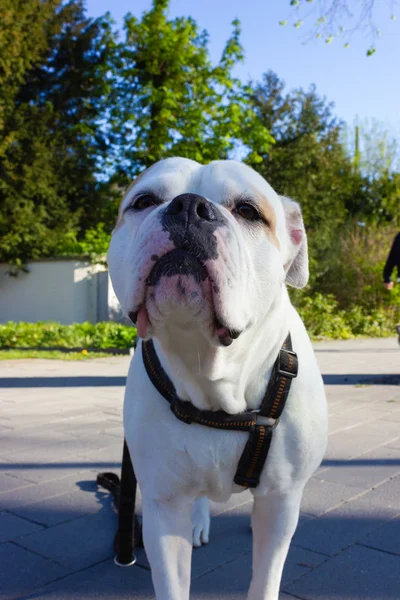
(204, 246)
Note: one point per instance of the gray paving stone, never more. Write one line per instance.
(387, 494)
(351, 414)
(28, 494)
(230, 537)
(86, 426)
(12, 527)
(46, 472)
(103, 581)
(233, 578)
(395, 416)
(339, 423)
(343, 526)
(67, 507)
(77, 544)
(385, 538)
(350, 443)
(7, 483)
(22, 571)
(367, 470)
(382, 409)
(394, 444)
(15, 442)
(358, 573)
(320, 496)
(28, 421)
(62, 448)
(116, 430)
(62, 427)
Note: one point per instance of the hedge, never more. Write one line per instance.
(325, 320)
(54, 335)
(321, 315)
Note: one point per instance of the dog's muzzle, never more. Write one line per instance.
(191, 221)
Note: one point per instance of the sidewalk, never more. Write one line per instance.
(60, 424)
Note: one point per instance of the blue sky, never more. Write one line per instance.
(367, 87)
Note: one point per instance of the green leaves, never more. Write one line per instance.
(325, 320)
(332, 18)
(79, 335)
(82, 113)
(52, 136)
(171, 99)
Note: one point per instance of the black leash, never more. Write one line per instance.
(129, 533)
(251, 461)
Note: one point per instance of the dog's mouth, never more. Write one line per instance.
(177, 262)
(224, 333)
(180, 262)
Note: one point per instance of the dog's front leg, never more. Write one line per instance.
(167, 535)
(274, 521)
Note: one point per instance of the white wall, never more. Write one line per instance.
(67, 291)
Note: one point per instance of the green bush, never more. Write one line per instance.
(324, 319)
(353, 272)
(78, 335)
(93, 245)
(321, 315)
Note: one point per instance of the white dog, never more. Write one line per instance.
(200, 259)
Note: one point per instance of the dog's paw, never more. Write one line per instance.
(201, 522)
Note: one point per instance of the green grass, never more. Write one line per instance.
(50, 354)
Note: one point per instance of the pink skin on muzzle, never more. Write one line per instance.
(142, 322)
(148, 300)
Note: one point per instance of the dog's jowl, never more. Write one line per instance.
(200, 259)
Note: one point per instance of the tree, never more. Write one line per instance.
(339, 18)
(52, 139)
(170, 99)
(375, 149)
(23, 40)
(375, 154)
(307, 161)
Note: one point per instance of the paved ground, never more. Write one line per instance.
(60, 424)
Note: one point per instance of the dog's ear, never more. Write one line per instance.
(296, 266)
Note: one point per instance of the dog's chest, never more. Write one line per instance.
(172, 456)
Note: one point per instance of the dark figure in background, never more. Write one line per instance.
(392, 262)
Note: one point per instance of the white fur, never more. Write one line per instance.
(179, 466)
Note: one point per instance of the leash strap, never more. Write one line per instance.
(129, 533)
(126, 512)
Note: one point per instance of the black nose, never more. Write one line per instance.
(191, 221)
(191, 209)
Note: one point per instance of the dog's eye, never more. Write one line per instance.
(247, 211)
(143, 202)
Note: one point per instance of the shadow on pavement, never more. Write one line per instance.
(49, 382)
(109, 381)
(361, 567)
(83, 465)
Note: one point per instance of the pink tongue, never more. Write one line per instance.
(142, 322)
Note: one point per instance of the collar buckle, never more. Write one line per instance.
(284, 372)
(264, 420)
